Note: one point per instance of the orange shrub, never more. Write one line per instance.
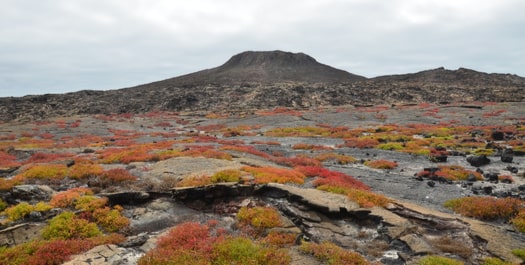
(273, 174)
(280, 239)
(40, 157)
(332, 178)
(195, 181)
(340, 159)
(361, 142)
(116, 175)
(84, 170)
(381, 164)
(66, 198)
(364, 198)
(486, 208)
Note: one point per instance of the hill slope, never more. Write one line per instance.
(261, 80)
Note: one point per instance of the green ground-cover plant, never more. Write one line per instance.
(439, 260)
(332, 254)
(495, 261)
(520, 253)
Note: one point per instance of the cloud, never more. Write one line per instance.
(59, 45)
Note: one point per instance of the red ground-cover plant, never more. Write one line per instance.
(296, 161)
(486, 208)
(381, 164)
(332, 178)
(273, 174)
(40, 157)
(187, 243)
(53, 252)
(8, 161)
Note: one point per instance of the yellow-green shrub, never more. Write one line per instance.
(259, 217)
(228, 175)
(239, 250)
(67, 225)
(19, 211)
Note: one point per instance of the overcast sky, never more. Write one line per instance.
(56, 46)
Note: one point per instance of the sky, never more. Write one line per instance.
(58, 46)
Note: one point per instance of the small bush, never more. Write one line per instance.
(51, 171)
(240, 251)
(280, 239)
(259, 217)
(381, 164)
(273, 174)
(19, 211)
(84, 170)
(485, 208)
(195, 181)
(438, 260)
(111, 220)
(332, 254)
(66, 226)
(228, 175)
(66, 198)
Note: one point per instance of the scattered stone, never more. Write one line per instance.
(431, 183)
(507, 155)
(417, 244)
(32, 193)
(478, 161)
(498, 135)
(471, 178)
